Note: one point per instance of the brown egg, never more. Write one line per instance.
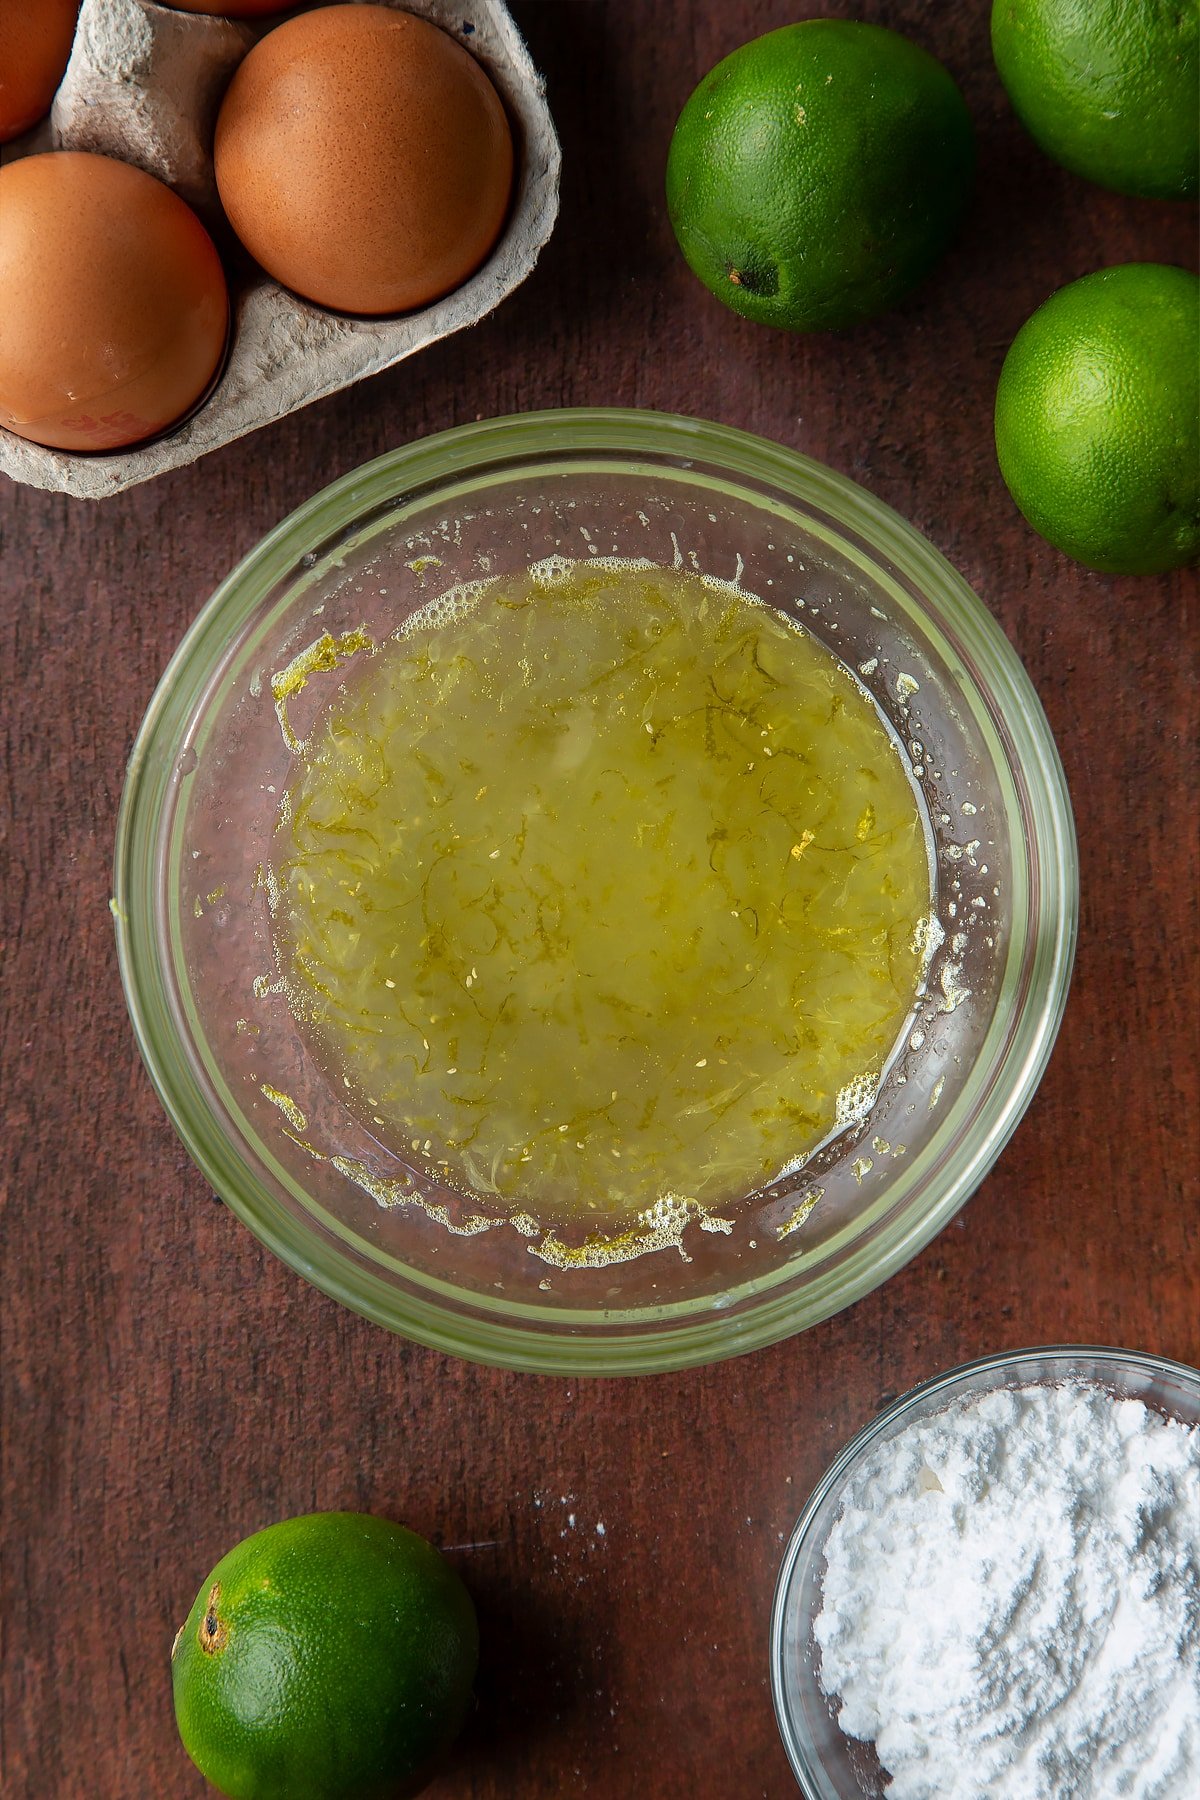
(113, 306)
(364, 159)
(35, 42)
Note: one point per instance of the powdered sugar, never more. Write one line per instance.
(1011, 1606)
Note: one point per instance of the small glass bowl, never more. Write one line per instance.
(827, 1764)
(199, 813)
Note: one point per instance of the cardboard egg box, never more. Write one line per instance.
(145, 84)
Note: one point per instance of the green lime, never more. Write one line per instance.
(1109, 88)
(326, 1658)
(1098, 419)
(816, 175)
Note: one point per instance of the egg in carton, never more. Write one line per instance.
(144, 84)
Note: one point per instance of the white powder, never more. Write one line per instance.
(1011, 1607)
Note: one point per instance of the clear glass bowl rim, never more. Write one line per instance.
(805, 1763)
(560, 438)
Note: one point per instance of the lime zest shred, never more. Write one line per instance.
(327, 653)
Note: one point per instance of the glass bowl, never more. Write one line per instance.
(827, 1764)
(271, 1132)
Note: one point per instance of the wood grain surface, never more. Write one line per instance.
(169, 1387)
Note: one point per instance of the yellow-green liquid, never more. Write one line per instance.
(600, 887)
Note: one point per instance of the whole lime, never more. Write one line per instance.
(1098, 419)
(816, 175)
(1109, 88)
(328, 1657)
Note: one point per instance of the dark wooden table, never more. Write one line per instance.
(169, 1387)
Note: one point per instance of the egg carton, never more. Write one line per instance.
(144, 84)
